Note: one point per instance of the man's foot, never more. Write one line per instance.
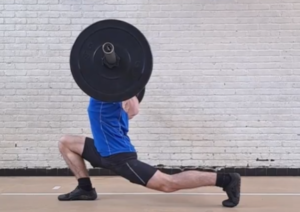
(78, 194)
(233, 191)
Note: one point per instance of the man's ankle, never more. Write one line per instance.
(85, 184)
(223, 180)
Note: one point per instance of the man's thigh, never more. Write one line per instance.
(91, 154)
(129, 167)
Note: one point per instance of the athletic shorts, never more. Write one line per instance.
(123, 164)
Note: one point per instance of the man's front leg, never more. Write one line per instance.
(71, 149)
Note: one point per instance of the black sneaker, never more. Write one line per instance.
(233, 191)
(78, 194)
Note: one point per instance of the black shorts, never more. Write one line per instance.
(123, 164)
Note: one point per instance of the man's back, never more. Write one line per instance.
(109, 125)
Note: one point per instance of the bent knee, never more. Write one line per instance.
(71, 143)
(64, 141)
(163, 182)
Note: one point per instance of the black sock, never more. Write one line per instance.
(85, 184)
(223, 180)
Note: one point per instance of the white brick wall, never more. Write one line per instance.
(224, 91)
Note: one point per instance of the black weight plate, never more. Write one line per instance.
(97, 80)
(141, 94)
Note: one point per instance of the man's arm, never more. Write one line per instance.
(131, 107)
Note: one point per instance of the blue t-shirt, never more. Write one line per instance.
(109, 125)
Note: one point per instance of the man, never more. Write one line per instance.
(112, 149)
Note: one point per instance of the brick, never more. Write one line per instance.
(25, 27)
(26, 14)
(9, 40)
(54, 2)
(15, 21)
(59, 47)
(59, 21)
(70, 27)
(14, 60)
(37, 60)
(48, 66)
(25, 2)
(37, 20)
(92, 14)
(76, 14)
(8, 157)
(7, 2)
(86, 21)
(60, 7)
(37, 7)
(48, 14)
(38, 46)
(6, 14)
(70, 2)
(14, 7)
(37, 33)
(15, 33)
(59, 33)
(112, 7)
(48, 28)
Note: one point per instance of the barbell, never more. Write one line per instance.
(111, 61)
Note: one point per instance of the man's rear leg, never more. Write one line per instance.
(230, 183)
(141, 173)
(71, 149)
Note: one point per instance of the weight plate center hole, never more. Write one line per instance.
(108, 48)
